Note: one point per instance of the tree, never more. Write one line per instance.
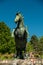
(29, 47)
(41, 42)
(7, 43)
(41, 45)
(34, 41)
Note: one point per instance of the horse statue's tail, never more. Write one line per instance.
(12, 34)
(27, 32)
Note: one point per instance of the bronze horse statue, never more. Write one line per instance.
(20, 35)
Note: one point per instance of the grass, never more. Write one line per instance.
(6, 56)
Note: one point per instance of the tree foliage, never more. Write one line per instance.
(29, 47)
(6, 41)
(41, 45)
(37, 44)
(34, 41)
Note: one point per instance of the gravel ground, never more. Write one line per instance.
(22, 62)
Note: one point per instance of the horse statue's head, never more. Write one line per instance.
(18, 17)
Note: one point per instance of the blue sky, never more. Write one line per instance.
(32, 11)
